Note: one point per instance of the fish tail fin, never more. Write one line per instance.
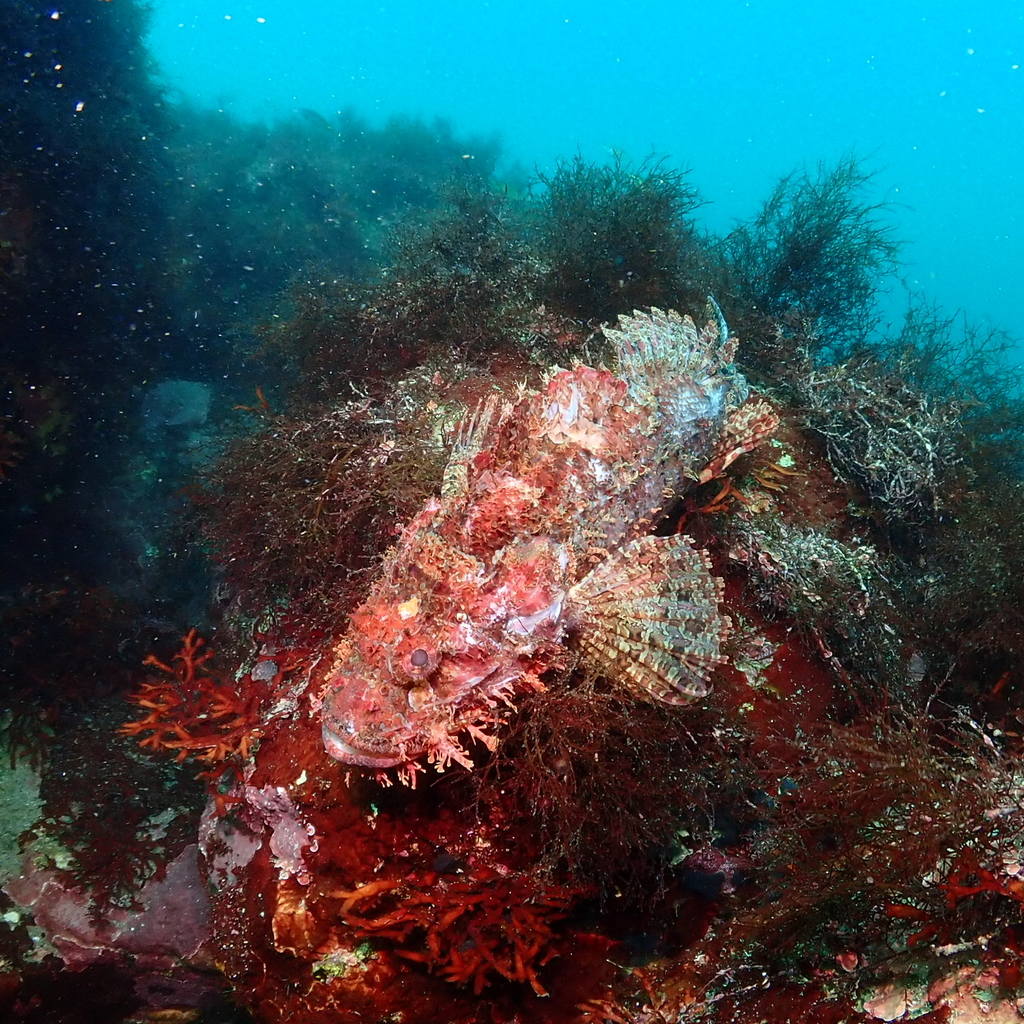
(648, 617)
(663, 347)
(685, 372)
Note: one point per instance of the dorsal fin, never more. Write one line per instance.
(470, 438)
(684, 372)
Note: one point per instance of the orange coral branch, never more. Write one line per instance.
(262, 409)
(193, 712)
(467, 930)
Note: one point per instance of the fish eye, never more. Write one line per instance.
(419, 662)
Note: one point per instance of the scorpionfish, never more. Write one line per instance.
(538, 552)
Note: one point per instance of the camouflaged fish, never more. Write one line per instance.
(538, 550)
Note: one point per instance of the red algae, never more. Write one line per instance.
(367, 898)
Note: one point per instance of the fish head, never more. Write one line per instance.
(379, 722)
(402, 692)
(419, 665)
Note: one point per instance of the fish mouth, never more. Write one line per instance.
(343, 751)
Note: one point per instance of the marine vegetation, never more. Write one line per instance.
(852, 827)
(974, 368)
(895, 442)
(975, 564)
(616, 237)
(459, 277)
(578, 754)
(817, 250)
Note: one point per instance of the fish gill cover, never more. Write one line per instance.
(332, 463)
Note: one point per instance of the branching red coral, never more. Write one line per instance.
(194, 712)
(467, 930)
(966, 878)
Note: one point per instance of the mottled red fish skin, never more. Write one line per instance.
(469, 610)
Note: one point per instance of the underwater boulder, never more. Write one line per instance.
(176, 403)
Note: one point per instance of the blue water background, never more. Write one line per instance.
(931, 95)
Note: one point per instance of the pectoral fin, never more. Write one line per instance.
(648, 617)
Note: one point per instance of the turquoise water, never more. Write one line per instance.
(931, 95)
